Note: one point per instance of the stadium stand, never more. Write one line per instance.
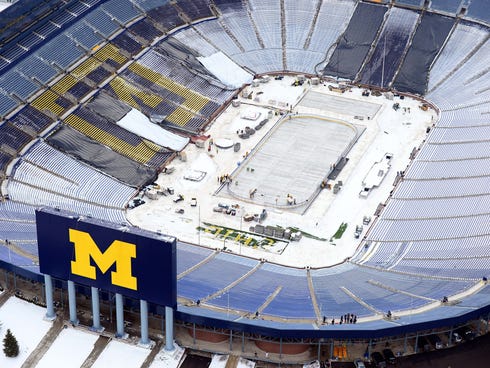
(195, 41)
(14, 83)
(123, 11)
(102, 158)
(412, 76)
(117, 138)
(356, 41)
(37, 69)
(12, 138)
(146, 30)
(101, 22)
(166, 15)
(269, 22)
(431, 238)
(58, 180)
(478, 10)
(331, 21)
(125, 41)
(82, 34)
(30, 119)
(385, 60)
(465, 39)
(448, 6)
(195, 9)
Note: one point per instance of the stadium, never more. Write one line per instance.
(256, 133)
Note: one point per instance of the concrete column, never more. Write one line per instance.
(280, 348)
(48, 284)
(169, 329)
(72, 303)
(95, 310)
(119, 316)
(144, 322)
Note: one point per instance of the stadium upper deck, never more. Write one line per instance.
(431, 234)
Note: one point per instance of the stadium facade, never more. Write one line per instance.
(66, 66)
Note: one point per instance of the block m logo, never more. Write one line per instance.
(119, 252)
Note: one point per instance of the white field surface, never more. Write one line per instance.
(26, 322)
(70, 349)
(121, 354)
(389, 131)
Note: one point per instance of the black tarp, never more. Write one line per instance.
(108, 107)
(72, 142)
(426, 43)
(356, 41)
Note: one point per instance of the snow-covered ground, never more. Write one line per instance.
(220, 361)
(389, 131)
(169, 359)
(121, 354)
(70, 349)
(25, 321)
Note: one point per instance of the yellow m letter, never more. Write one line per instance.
(119, 252)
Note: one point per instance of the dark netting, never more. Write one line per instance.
(166, 16)
(386, 58)
(145, 29)
(109, 107)
(356, 41)
(195, 9)
(428, 40)
(102, 158)
(175, 49)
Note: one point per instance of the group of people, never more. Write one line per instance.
(224, 179)
(346, 318)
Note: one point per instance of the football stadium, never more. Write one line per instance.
(269, 182)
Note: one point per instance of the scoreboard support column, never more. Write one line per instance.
(48, 283)
(169, 329)
(72, 303)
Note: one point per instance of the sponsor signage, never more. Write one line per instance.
(122, 259)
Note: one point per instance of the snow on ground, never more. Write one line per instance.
(25, 321)
(121, 354)
(245, 363)
(218, 361)
(389, 131)
(70, 349)
(169, 359)
(226, 70)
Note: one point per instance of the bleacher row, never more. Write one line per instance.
(412, 257)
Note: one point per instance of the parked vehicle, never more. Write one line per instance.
(358, 231)
(457, 337)
(389, 356)
(466, 333)
(359, 363)
(422, 344)
(378, 359)
(436, 341)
